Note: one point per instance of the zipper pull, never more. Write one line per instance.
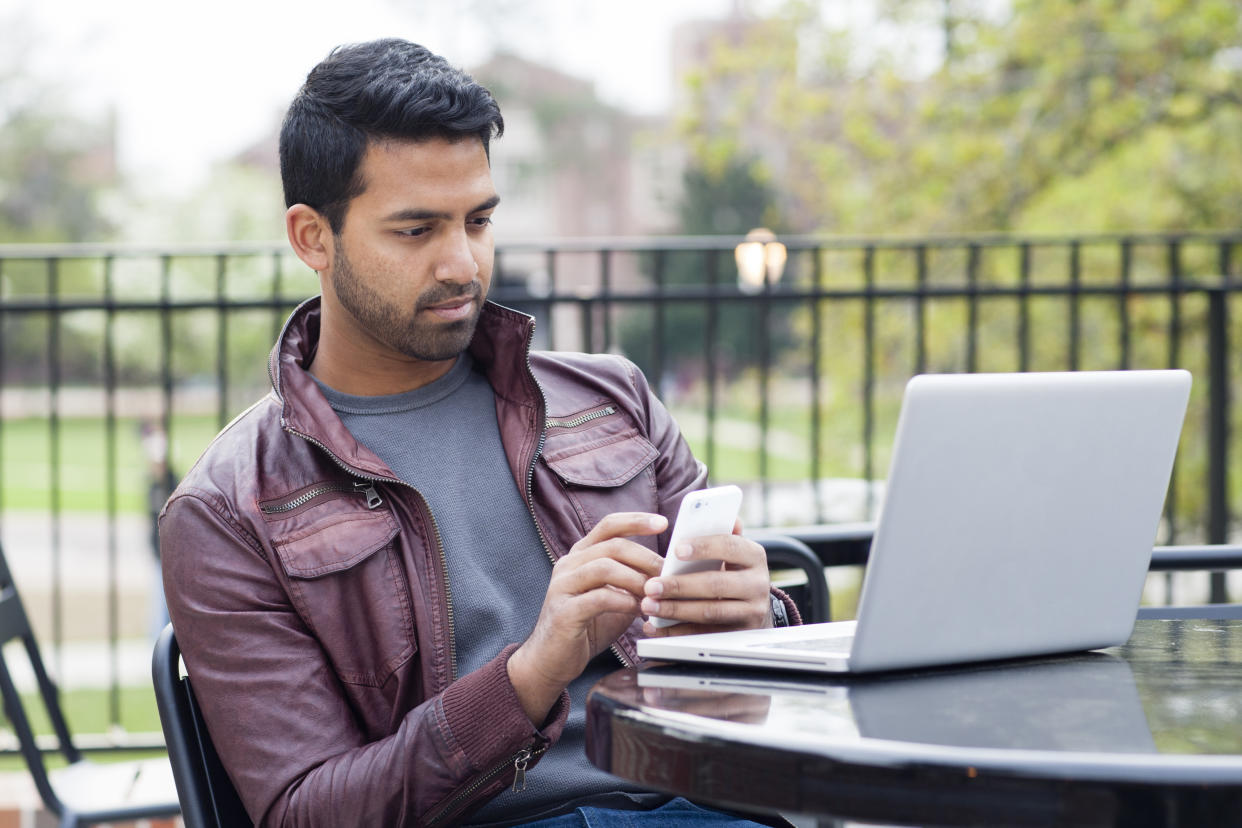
(368, 488)
(519, 770)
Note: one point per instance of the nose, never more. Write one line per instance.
(456, 261)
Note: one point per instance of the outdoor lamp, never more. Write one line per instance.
(761, 257)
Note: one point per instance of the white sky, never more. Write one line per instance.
(194, 83)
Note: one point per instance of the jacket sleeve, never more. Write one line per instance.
(280, 719)
(678, 472)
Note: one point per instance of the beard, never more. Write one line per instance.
(401, 329)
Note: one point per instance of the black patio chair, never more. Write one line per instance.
(208, 798)
(84, 792)
(849, 544)
(811, 596)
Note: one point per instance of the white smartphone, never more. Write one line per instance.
(705, 512)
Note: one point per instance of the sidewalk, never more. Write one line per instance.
(20, 807)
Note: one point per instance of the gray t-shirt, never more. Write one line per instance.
(443, 439)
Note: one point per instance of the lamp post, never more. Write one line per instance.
(760, 260)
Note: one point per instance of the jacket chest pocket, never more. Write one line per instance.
(603, 462)
(347, 583)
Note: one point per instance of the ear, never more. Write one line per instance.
(310, 236)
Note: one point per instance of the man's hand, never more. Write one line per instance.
(734, 597)
(593, 596)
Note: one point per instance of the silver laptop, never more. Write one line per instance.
(1020, 515)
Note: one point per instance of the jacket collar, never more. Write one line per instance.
(500, 346)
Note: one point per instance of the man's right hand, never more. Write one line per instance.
(594, 594)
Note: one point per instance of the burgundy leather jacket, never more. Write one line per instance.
(308, 589)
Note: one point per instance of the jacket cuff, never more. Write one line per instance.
(791, 609)
(486, 718)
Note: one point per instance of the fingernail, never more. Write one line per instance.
(655, 522)
(684, 551)
(650, 606)
(654, 588)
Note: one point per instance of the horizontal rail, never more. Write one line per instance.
(640, 244)
(850, 545)
(1211, 558)
(685, 294)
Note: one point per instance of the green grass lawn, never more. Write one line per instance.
(88, 711)
(82, 479)
(71, 471)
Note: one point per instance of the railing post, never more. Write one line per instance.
(1218, 430)
(869, 379)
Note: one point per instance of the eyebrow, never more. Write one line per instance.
(414, 214)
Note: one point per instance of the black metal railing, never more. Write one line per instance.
(790, 389)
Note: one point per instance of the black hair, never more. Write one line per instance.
(371, 91)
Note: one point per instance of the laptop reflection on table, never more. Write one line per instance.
(1087, 702)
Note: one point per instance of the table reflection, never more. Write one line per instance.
(1083, 703)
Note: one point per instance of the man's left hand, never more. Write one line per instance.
(734, 597)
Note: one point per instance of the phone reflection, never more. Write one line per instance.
(685, 690)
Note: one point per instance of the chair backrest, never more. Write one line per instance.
(208, 799)
(15, 626)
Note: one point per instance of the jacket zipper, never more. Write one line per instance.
(373, 500)
(581, 419)
(519, 761)
(367, 488)
(530, 471)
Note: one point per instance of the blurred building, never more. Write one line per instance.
(571, 165)
(568, 165)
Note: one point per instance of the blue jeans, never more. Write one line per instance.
(677, 813)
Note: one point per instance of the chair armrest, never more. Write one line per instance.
(790, 553)
(1216, 557)
(838, 544)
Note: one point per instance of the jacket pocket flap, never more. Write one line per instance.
(337, 545)
(609, 462)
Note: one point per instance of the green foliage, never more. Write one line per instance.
(1055, 104)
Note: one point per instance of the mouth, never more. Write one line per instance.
(453, 310)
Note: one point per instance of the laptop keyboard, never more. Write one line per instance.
(833, 644)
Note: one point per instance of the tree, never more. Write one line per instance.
(55, 167)
(1022, 107)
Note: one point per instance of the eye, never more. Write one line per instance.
(413, 232)
(480, 221)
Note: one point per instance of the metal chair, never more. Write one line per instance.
(208, 798)
(785, 552)
(84, 792)
(849, 544)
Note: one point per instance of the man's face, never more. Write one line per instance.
(413, 261)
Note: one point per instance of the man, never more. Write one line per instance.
(395, 577)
